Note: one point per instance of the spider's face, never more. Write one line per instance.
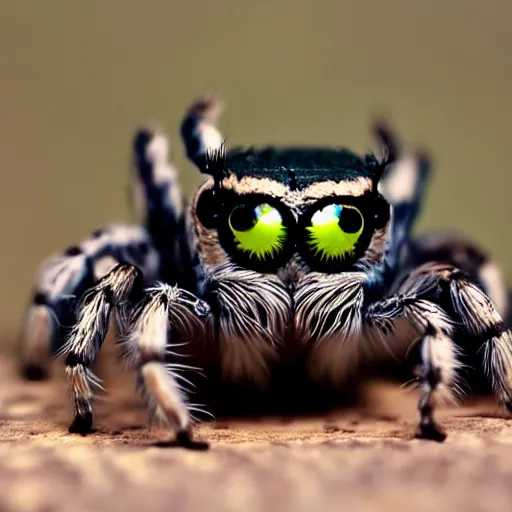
(316, 207)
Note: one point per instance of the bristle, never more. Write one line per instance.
(388, 141)
(216, 161)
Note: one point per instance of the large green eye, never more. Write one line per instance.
(259, 231)
(334, 231)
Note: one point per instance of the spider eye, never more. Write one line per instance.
(334, 231)
(259, 231)
(206, 209)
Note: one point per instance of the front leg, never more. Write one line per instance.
(336, 314)
(439, 354)
(146, 319)
(424, 298)
(166, 317)
(88, 334)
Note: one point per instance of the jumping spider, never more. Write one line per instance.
(286, 258)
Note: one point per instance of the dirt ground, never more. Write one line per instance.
(361, 459)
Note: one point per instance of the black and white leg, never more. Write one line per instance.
(157, 196)
(438, 299)
(149, 320)
(139, 315)
(65, 277)
(164, 318)
(404, 185)
(463, 253)
(161, 207)
(199, 131)
(337, 314)
(88, 334)
(439, 355)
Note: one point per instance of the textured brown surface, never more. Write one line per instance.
(362, 459)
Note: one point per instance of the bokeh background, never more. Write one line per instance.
(78, 77)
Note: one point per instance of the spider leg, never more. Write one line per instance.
(157, 195)
(145, 319)
(440, 299)
(404, 185)
(63, 279)
(199, 131)
(439, 355)
(463, 253)
(435, 301)
(88, 334)
(164, 316)
(165, 249)
(160, 205)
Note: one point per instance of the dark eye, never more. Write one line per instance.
(382, 213)
(206, 209)
(259, 230)
(334, 231)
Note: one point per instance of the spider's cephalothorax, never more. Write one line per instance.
(314, 208)
(286, 257)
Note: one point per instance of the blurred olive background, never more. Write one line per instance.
(78, 77)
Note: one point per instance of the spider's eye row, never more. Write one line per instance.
(334, 231)
(259, 230)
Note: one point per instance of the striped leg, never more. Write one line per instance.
(64, 278)
(146, 320)
(199, 131)
(476, 263)
(157, 194)
(165, 249)
(161, 207)
(431, 305)
(165, 316)
(472, 260)
(88, 334)
(403, 185)
(431, 293)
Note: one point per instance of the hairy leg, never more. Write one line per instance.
(404, 186)
(338, 316)
(199, 130)
(148, 321)
(463, 253)
(451, 302)
(165, 249)
(161, 207)
(157, 195)
(64, 278)
(164, 313)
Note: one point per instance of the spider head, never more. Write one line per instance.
(263, 209)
